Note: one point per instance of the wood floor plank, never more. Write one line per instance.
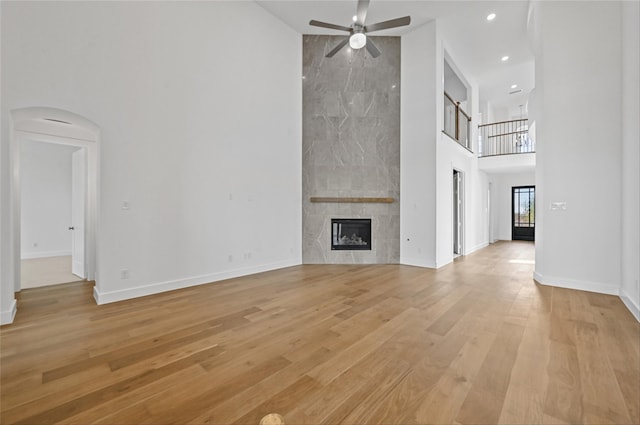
(354, 409)
(489, 389)
(399, 406)
(448, 320)
(282, 402)
(129, 407)
(564, 392)
(59, 413)
(476, 341)
(188, 409)
(329, 370)
(443, 402)
(329, 400)
(603, 400)
(279, 393)
(524, 401)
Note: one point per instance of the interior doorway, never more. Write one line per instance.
(458, 212)
(53, 193)
(55, 126)
(523, 213)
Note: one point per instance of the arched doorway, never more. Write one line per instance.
(51, 125)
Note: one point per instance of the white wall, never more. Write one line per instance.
(449, 156)
(46, 199)
(501, 208)
(578, 123)
(476, 215)
(419, 125)
(7, 299)
(201, 128)
(630, 288)
(428, 157)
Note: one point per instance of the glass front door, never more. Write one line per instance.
(523, 213)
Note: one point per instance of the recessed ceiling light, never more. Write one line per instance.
(513, 86)
(491, 16)
(505, 58)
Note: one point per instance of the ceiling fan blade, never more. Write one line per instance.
(361, 14)
(337, 48)
(327, 25)
(372, 49)
(393, 23)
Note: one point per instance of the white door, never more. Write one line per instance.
(78, 193)
(489, 218)
(457, 212)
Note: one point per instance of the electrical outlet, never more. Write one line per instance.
(35, 244)
(230, 258)
(124, 274)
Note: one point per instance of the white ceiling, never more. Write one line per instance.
(476, 44)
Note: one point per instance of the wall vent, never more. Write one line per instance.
(60, 121)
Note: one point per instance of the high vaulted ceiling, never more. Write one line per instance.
(477, 45)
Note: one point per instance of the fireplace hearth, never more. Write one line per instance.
(351, 234)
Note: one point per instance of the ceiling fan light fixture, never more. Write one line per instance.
(357, 40)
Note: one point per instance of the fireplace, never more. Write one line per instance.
(351, 234)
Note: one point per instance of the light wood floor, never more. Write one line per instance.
(476, 342)
(38, 272)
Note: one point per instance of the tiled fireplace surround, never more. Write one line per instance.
(351, 147)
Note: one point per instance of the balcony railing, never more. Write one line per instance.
(456, 122)
(505, 138)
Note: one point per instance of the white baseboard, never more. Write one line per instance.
(599, 288)
(631, 305)
(417, 262)
(582, 285)
(157, 288)
(44, 254)
(7, 316)
(444, 263)
(477, 247)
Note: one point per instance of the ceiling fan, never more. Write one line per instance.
(358, 30)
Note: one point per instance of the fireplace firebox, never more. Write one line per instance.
(351, 234)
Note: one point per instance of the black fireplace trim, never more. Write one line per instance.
(352, 247)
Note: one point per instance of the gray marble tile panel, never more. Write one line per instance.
(351, 145)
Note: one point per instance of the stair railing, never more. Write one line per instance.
(456, 122)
